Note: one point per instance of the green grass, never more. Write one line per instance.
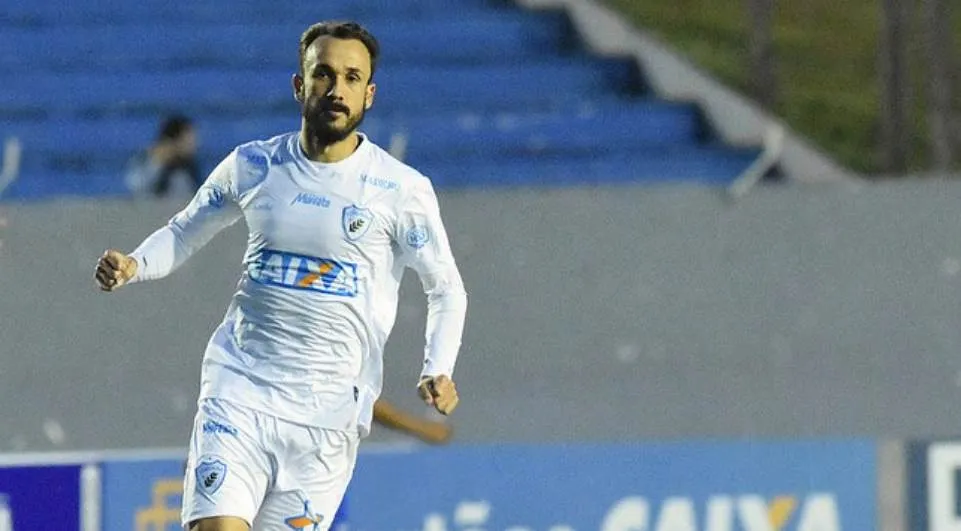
(826, 65)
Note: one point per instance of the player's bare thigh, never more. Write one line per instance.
(219, 523)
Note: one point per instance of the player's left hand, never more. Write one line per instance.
(440, 392)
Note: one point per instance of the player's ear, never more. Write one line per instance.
(297, 82)
(369, 97)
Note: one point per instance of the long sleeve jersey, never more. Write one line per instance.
(304, 334)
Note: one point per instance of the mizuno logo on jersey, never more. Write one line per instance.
(294, 271)
(379, 182)
(311, 200)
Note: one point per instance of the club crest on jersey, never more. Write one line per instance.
(210, 475)
(356, 221)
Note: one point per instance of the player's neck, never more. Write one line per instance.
(319, 151)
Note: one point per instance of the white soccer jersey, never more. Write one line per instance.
(304, 334)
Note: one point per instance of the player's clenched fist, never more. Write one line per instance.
(114, 269)
(440, 392)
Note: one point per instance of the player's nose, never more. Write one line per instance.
(335, 91)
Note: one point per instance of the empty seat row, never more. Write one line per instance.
(711, 165)
(417, 89)
(31, 13)
(493, 38)
(650, 122)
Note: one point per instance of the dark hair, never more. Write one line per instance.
(340, 30)
(173, 127)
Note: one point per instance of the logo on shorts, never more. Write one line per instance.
(212, 426)
(356, 221)
(307, 521)
(210, 475)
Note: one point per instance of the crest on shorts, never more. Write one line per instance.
(356, 221)
(210, 475)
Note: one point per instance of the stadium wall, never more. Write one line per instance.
(610, 315)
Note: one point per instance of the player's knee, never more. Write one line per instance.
(219, 523)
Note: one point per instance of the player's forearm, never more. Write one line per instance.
(159, 255)
(210, 211)
(395, 419)
(446, 312)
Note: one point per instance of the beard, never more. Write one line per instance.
(323, 129)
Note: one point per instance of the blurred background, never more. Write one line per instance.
(711, 248)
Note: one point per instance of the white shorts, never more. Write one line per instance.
(275, 474)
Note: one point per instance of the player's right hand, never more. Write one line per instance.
(440, 392)
(114, 269)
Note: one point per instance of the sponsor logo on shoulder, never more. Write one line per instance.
(417, 236)
(380, 182)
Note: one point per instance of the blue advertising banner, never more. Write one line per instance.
(934, 485)
(142, 495)
(35, 497)
(791, 486)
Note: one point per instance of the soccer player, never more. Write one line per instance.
(290, 377)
